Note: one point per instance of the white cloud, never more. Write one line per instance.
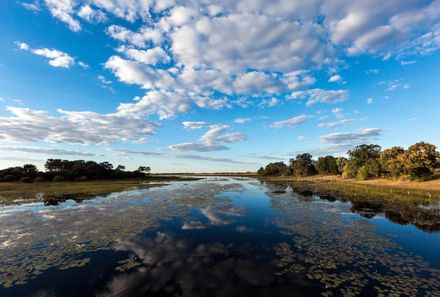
(92, 15)
(338, 123)
(301, 138)
(63, 10)
(272, 44)
(370, 101)
(56, 58)
(292, 122)
(258, 82)
(194, 125)
(31, 6)
(142, 38)
(364, 135)
(47, 151)
(242, 120)
(26, 125)
(150, 56)
(314, 96)
(212, 140)
(335, 78)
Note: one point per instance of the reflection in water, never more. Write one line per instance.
(178, 267)
(400, 212)
(214, 237)
(346, 255)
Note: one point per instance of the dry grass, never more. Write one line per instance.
(10, 192)
(424, 191)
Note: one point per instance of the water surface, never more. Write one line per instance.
(218, 237)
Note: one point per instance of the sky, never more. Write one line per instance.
(210, 86)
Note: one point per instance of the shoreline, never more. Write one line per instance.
(416, 191)
(54, 192)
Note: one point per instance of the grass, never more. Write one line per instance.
(52, 192)
(408, 191)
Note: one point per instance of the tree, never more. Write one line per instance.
(302, 165)
(120, 168)
(364, 152)
(420, 159)
(53, 165)
(371, 169)
(144, 169)
(327, 165)
(275, 169)
(392, 161)
(30, 170)
(363, 156)
(341, 162)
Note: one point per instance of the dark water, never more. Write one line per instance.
(219, 237)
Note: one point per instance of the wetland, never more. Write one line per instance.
(221, 236)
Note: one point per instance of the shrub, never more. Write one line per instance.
(26, 180)
(39, 179)
(58, 178)
(9, 178)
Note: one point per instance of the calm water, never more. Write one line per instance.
(219, 237)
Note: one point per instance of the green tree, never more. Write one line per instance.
(365, 156)
(341, 162)
(327, 165)
(275, 169)
(392, 161)
(420, 159)
(302, 165)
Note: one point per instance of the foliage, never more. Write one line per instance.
(420, 159)
(341, 162)
(365, 161)
(77, 170)
(391, 161)
(275, 169)
(302, 165)
(327, 165)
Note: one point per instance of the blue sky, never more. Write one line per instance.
(226, 86)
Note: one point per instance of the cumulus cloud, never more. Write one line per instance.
(212, 140)
(364, 135)
(314, 96)
(56, 58)
(292, 122)
(141, 38)
(27, 125)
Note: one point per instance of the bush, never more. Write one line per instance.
(9, 178)
(58, 178)
(350, 170)
(26, 180)
(39, 179)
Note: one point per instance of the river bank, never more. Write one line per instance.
(423, 192)
(54, 192)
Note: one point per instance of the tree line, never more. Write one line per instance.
(365, 161)
(65, 170)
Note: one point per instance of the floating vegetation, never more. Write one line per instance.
(34, 238)
(347, 256)
(127, 264)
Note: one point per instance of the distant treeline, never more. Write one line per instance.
(365, 161)
(78, 170)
